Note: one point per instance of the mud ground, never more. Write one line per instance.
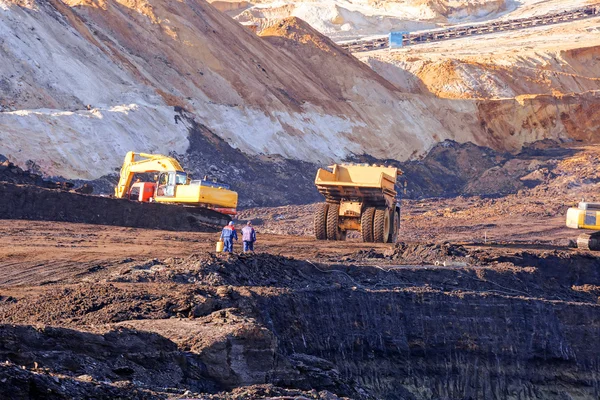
(93, 311)
(484, 298)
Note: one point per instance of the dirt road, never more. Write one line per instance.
(108, 312)
(39, 252)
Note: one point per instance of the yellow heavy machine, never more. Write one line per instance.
(359, 197)
(173, 185)
(586, 216)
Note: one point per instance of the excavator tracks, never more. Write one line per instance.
(589, 241)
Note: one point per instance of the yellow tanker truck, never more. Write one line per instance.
(358, 197)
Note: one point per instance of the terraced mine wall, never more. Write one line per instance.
(439, 35)
(431, 345)
(496, 336)
(495, 327)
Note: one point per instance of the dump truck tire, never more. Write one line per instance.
(381, 225)
(321, 221)
(395, 227)
(366, 224)
(333, 230)
(389, 238)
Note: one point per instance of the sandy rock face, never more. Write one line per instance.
(87, 81)
(343, 20)
(106, 75)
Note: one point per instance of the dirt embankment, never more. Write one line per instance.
(555, 60)
(286, 100)
(36, 203)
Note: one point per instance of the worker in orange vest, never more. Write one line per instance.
(228, 235)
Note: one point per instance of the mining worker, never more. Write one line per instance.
(228, 234)
(249, 237)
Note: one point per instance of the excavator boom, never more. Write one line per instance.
(148, 163)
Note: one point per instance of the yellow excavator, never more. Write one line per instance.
(172, 185)
(586, 216)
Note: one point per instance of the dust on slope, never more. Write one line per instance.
(132, 62)
(550, 60)
(348, 20)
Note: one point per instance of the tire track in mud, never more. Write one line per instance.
(18, 273)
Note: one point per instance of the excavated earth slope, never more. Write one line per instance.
(552, 60)
(89, 80)
(347, 20)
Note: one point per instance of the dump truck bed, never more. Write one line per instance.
(351, 181)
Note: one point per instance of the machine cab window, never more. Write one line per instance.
(166, 184)
(134, 193)
(180, 178)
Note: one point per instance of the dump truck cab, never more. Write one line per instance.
(358, 197)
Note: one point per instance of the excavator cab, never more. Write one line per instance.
(168, 181)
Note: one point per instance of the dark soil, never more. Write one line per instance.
(324, 327)
(449, 169)
(452, 169)
(35, 203)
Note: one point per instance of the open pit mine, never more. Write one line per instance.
(423, 218)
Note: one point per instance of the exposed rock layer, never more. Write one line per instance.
(123, 74)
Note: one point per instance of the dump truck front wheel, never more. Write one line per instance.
(321, 221)
(381, 225)
(333, 229)
(366, 224)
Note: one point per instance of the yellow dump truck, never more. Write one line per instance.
(359, 197)
(586, 216)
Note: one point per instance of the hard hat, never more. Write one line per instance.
(249, 223)
(230, 223)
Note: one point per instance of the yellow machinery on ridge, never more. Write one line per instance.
(586, 216)
(173, 185)
(358, 197)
